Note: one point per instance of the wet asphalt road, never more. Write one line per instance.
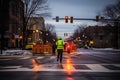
(85, 65)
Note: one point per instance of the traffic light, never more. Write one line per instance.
(97, 18)
(65, 34)
(66, 19)
(57, 18)
(71, 19)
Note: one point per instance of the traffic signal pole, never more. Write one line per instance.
(75, 19)
(111, 20)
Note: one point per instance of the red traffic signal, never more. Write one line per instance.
(66, 19)
(71, 19)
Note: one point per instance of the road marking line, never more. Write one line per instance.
(48, 69)
(41, 57)
(117, 65)
(52, 57)
(25, 58)
(97, 67)
(10, 67)
(66, 68)
(66, 56)
(5, 59)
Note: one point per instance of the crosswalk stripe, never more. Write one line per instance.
(10, 67)
(5, 59)
(25, 58)
(52, 57)
(40, 57)
(97, 67)
(118, 65)
(66, 68)
(66, 56)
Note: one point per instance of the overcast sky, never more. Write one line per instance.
(77, 9)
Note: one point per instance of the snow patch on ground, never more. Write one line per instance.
(16, 52)
(109, 49)
(103, 48)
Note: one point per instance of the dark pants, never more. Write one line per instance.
(60, 54)
(53, 51)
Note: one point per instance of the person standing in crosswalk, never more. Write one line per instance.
(60, 47)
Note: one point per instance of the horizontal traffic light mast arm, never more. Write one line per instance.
(116, 20)
(75, 19)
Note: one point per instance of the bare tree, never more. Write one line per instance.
(79, 30)
(113, 12)
(33, 8)
(50, 29)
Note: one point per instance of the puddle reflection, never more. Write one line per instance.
(36, 66)
(69, 78)
(69, 67)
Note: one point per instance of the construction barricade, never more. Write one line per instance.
(42, 49)
(38, 49)
(47, 48)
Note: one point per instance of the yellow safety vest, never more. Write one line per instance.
(60, 44)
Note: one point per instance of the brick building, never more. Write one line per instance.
(12, 12)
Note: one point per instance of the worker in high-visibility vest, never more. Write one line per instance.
(60, 47)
